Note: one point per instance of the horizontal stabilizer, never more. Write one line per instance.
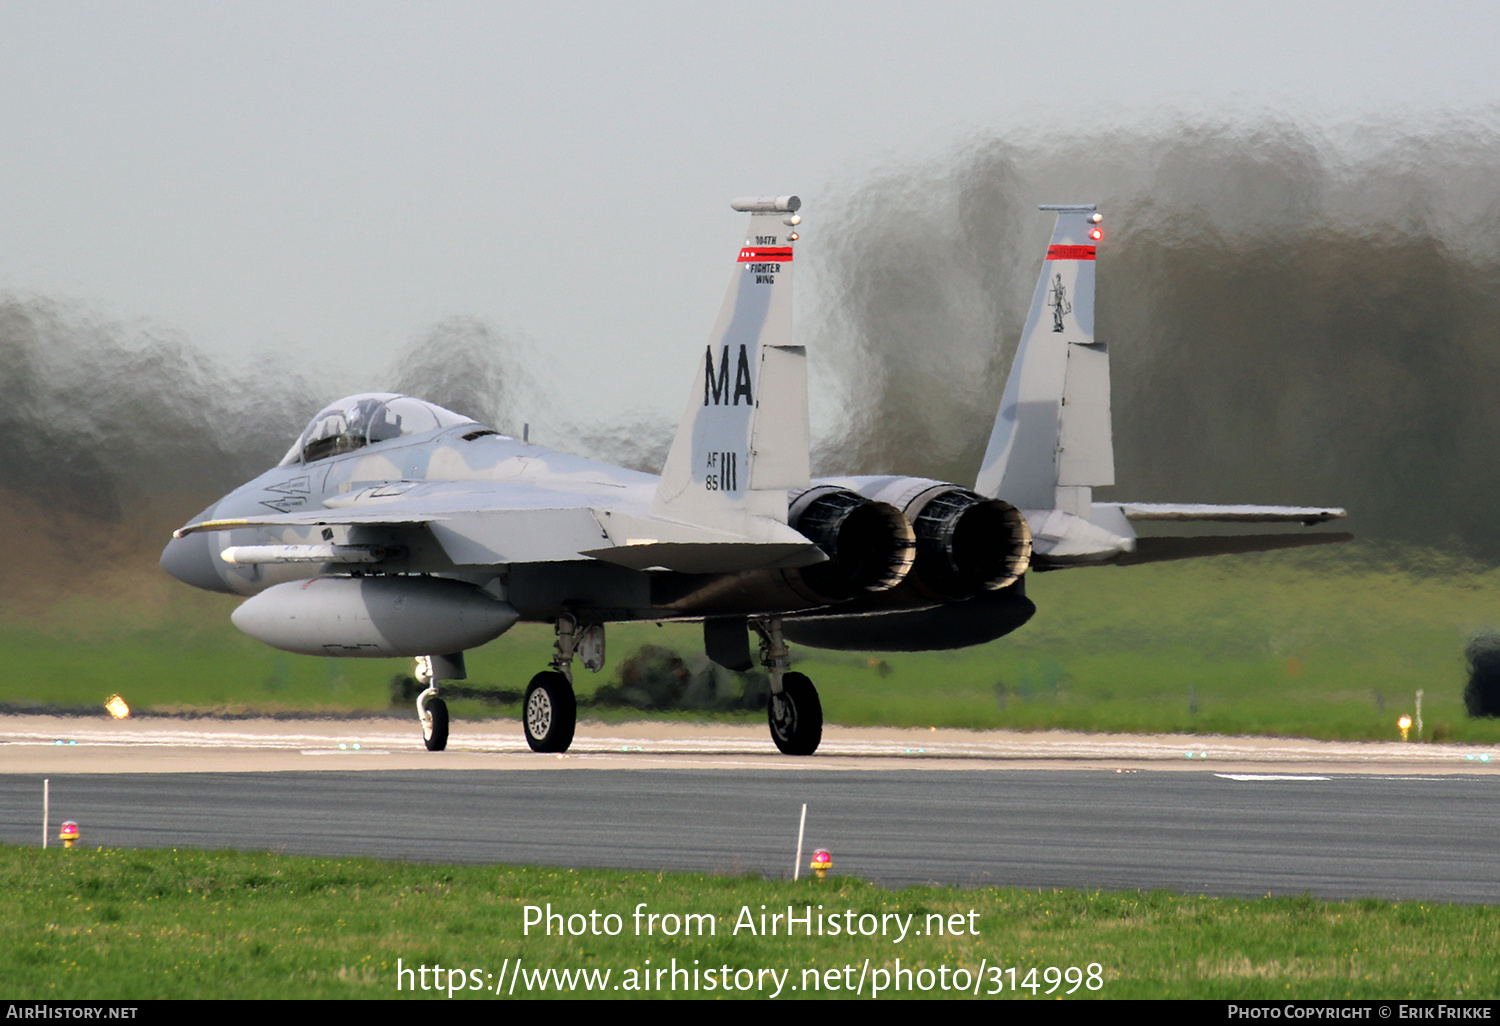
(1160, 550)
(1228, 514)
(710, 557)
(645, 543)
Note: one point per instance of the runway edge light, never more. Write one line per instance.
(822, 862)
(68, 835)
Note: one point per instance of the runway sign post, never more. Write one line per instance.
(797, 862)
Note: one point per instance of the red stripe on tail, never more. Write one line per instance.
(1070, 252)
(752, 254)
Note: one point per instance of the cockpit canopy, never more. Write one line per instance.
(364, 419)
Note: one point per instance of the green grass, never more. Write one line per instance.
(128, 924)
(1330, 644)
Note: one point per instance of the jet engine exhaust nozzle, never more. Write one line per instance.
(967, 544)
(870, 545)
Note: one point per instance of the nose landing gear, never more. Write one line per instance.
(432, 711)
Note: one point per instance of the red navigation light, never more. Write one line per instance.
(1096, 234)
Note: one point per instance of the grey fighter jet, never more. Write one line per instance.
(396, 528)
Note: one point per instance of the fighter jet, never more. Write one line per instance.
(396, 528)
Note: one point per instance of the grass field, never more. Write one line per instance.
(1329, 643)
(129, 924)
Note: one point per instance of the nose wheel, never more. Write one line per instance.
(435, 724)
(432, 711)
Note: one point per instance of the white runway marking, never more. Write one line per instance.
(1268, 776)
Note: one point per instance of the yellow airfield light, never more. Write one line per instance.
(116, 707)
(1405, 724)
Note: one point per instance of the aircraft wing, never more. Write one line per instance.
(408, 502)
(486, 523)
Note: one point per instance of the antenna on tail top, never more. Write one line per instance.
(766, 204)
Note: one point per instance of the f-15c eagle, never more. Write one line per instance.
(394, 527)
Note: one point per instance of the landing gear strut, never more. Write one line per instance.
(550, 710)
(794, 712)
(432, 711)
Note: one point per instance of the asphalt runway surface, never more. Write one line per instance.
(1335, 837)
(1240, 817)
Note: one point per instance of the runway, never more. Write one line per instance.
(61, 744)
(1241, 817)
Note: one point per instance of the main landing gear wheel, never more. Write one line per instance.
(435, 725)
(550, 712)
(796, 716)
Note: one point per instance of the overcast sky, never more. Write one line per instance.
(325, 181)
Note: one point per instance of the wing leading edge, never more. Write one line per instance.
(492, 537)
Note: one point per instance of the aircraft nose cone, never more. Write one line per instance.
(191, 560)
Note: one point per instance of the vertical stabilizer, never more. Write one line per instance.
(743, 442)
(1052, 442)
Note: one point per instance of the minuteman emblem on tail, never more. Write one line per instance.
(1059, 303)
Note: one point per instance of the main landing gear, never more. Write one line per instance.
(549, 712)
(794, 712)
